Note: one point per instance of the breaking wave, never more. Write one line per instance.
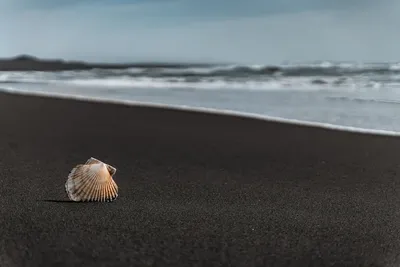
(250, 77)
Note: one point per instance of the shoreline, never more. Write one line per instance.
(223, 112)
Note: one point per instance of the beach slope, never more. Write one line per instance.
(196, 189)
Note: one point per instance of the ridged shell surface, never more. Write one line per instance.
(112, 170)
(92, 181)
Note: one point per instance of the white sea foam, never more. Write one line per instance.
(311, 76)
(204, 110)
(83, 79)
(205, 84)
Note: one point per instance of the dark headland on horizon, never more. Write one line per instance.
(31, 63)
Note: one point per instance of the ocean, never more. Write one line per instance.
(347, 95)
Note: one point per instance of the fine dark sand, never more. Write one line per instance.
(195, 189)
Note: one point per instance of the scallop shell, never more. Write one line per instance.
(92, 181)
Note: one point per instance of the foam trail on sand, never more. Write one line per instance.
(200, 109)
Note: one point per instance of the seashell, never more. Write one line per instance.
(92, 181)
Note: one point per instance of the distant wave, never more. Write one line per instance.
(251, 77)
(363, 100)
(322, 69)
(325, 69)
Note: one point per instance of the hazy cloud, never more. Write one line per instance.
(254, 31)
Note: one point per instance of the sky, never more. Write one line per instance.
(234, 31)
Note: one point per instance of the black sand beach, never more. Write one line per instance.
(195, 189)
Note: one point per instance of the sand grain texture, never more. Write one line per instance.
(195, 190)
